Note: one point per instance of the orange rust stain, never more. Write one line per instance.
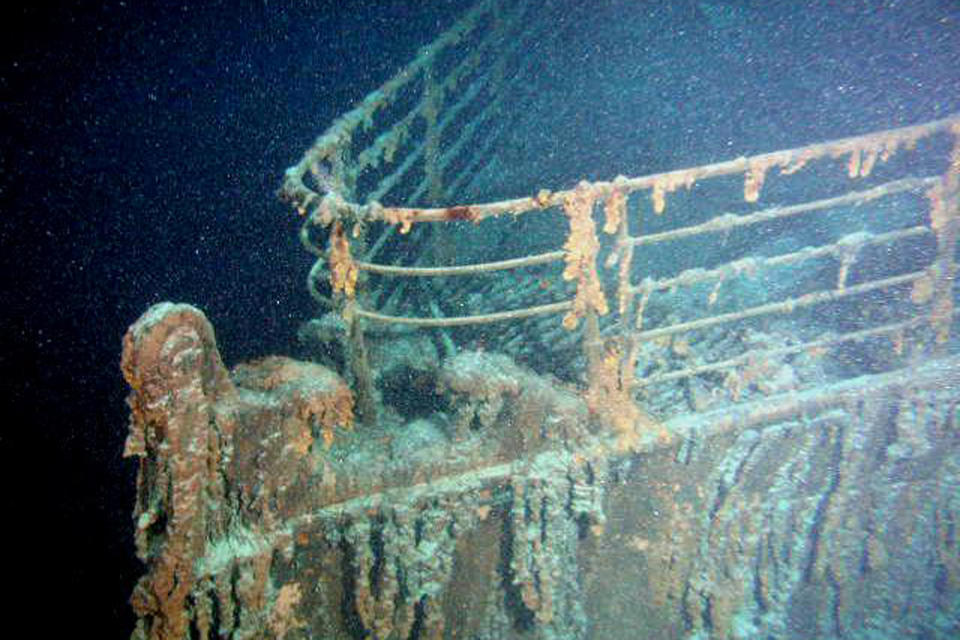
(460, 213)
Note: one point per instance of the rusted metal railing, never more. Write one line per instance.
(430, 136)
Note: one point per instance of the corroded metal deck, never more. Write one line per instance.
(521, 517)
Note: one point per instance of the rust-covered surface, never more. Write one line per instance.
(262, 512)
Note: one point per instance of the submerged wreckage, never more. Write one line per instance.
(644, 432)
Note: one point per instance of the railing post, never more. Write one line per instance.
(358, 365)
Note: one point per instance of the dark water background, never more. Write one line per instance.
(142, 144)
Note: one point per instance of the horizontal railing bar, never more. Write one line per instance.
(853, 242)
(459, 321)
(780, 351)
(461, 270)
(373, 153)
(344, 125)
(729, 221)
(785, 306)
(735, 418)
(367, 156)
(490, 110)
(816, 151)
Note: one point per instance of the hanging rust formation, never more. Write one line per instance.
(260, 513)
(523, 521)
(722, 403)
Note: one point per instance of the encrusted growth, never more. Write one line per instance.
(223, 460)
(581, 249)
(318, 396)
(615, 210)
(610, 397)
(343, 270)
(171, 363)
